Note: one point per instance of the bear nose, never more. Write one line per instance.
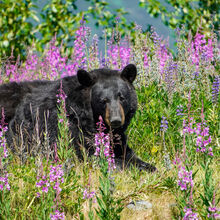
(115, 122)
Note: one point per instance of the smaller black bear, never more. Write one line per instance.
(100, 92)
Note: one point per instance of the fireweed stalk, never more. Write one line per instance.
(64, 138)
(196, 147)
(109, 207)
(184, 166)
(184, 195)
(48, 184)
(4, 184)
(88, 194)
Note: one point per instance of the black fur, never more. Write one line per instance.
(89, 94)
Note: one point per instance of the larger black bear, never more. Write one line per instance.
(101, 92)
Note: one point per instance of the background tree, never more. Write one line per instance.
(21, 25)
(193, 14)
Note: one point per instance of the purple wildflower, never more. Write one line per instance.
(61, 96)
(203, 138)
(214, 212)
(215, 90)
(179, 110)
(164, 124)
(119, 54)
(87, 194)
(201, 50)
(189, 214)
(163, 56)
(51, 183)
(185, 178)
(4, 182)
(53, 61)
(79, 55)
(3, 129)
(3, 154)
(57, 215)
(188, 128)
(170, 73)
(138, 27)
(102, 142)
(43, 184)
(56, 177)
(155, 36)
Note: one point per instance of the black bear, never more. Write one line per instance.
(100, 92)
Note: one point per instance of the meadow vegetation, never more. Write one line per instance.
(176, 128)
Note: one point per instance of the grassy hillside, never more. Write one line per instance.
(176, 127)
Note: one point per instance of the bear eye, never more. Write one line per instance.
(104, 101)
(121, 97)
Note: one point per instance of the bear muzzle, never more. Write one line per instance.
(114, 115)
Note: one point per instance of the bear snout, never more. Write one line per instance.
(116, 122)
(114, 116)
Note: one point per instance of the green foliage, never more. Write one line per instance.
(60, 20)
(22, 26)
(16, 28)
(194, 15)
(108, 19)
(109, 207)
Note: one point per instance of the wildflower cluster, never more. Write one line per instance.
(203, 138)
(163, 56)
(103, 147)
(52, 64)
(94, 55)
(61, 100)
(109, 207)
(214, 212)
(79, 55)
(4, 184)
(57, 215)
(186, 184)
(120, 55)
(43, 184)
(54, 180)
(50, 184)
(179, 110)
(201, 50)
(3, 129)
(189, 214)
(61, 96)
(87, 194)
(185, 178)
(195, 68)
(215, 89)
(164, 124)
(56, 177)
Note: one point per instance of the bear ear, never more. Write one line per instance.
(84, 78)
(129, 72)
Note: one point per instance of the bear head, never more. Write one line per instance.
(112, 94)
